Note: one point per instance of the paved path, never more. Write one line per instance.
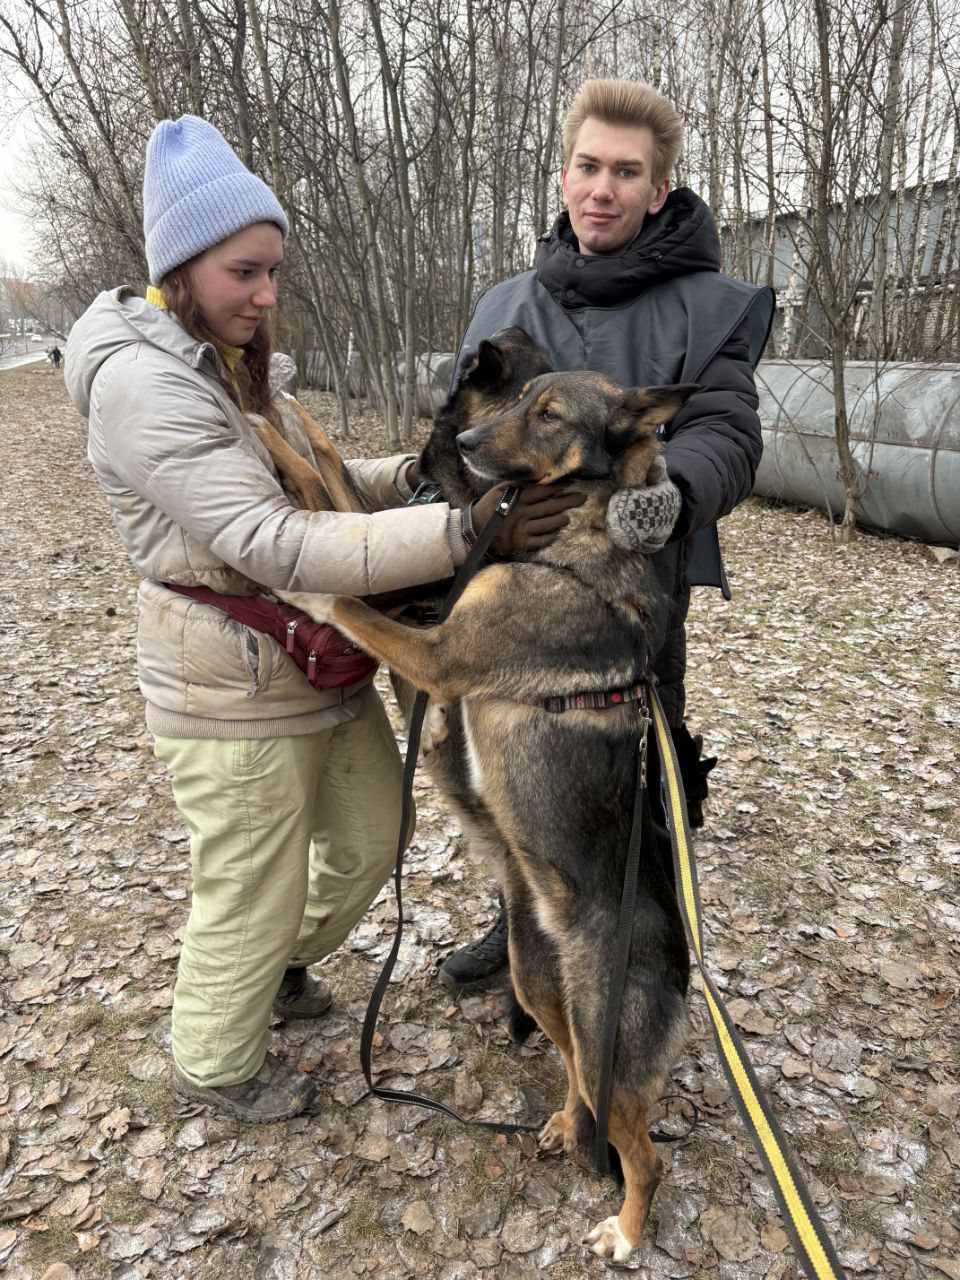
(14, 362)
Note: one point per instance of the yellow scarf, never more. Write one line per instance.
(231, 356)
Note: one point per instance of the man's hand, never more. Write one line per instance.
(538, 515)
(643, 519)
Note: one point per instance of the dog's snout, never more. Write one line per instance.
(468, 441)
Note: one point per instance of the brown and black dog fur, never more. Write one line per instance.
(490, 382)
(328, 486)
(558, 789)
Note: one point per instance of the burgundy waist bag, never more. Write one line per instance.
(328, 659)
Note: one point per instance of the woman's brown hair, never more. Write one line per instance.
(253, 372)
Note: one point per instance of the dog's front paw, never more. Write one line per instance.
(606, 1240)
(559, 1133)
(318, 607)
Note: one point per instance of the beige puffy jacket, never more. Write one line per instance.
(196, 500)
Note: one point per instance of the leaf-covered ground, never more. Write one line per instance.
(830, 689)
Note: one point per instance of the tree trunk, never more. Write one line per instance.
(397, 137)
(831, 294)
(548, 160)
(878, 312)
(770, 219)
(277, 175)
(381, 367)
(192, 58)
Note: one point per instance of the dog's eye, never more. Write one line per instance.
(548, 415)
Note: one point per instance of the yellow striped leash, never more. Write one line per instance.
(810, 1240)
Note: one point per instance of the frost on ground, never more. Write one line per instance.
(830, 690)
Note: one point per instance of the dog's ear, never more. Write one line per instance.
(515, 337)
(642, 410)
(489, 369)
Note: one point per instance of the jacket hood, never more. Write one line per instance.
(681, 238)
(114, 320)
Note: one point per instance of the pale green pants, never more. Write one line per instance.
(291, 840)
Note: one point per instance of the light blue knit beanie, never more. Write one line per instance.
(196, 192)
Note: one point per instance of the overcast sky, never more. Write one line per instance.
(14, 229)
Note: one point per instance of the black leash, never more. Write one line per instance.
(621, 957)
(627, 905)
(621, 962)
(404, 1096)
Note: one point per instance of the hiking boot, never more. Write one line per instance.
(480, 962)
(276, 1092)
(301, 996)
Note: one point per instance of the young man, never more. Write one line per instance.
(627, 282)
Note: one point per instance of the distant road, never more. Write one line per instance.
(20, 351)
(12, 362)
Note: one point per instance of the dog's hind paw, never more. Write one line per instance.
(317, 606)
(606, 1240)
(559, 1133)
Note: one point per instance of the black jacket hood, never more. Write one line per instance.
(681, 238)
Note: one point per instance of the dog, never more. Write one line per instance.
(554, 791)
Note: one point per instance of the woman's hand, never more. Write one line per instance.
(537, 516)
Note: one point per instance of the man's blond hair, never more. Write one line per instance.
(631, 103)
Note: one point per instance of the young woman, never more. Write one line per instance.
(292, 795)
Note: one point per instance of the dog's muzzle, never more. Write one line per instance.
(469, 441)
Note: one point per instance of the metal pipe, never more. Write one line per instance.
(905, 435)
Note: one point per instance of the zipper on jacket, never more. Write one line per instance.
(251, 656)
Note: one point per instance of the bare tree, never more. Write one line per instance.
(417, 152)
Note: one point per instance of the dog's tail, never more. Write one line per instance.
(519, 1022)
(586, 1131)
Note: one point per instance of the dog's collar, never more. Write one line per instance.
(595, 701)
(598, 701)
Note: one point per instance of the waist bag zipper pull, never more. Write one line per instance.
(291, 631)
(312, 666)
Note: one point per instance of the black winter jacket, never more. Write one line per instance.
(660, 312)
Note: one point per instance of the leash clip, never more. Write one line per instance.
(646, 720)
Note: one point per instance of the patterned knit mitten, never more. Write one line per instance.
(643, 519)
